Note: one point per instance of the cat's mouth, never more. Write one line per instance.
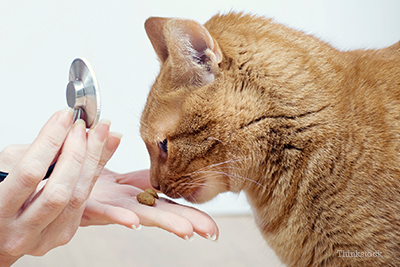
(199, 192)
(191, 194)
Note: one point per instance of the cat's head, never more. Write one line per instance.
(185, 123)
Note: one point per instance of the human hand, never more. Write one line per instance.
(113, 200)
(36, 215)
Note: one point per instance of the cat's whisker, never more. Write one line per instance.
(218, 164)
(216, 139)
(199, 181)
(205, 168)
(233, 177)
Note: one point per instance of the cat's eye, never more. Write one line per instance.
(164, 145)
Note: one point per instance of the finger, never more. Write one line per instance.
(152, 216)
(97, 213)
(112, 142)
(70, 217)
(169, 221)
(202, 223)
(23, 179)
(101, 146)
(58, 190)
(138, 179)
(95, 144)
(11, 155)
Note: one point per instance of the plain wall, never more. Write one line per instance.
(39, 39)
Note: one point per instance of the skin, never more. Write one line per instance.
(113, 200)
(37, 216)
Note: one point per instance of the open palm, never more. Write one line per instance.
(113, 201)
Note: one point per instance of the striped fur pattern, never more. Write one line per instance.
(310, 134)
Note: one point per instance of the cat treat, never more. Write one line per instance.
(151, 192)
(148, 197)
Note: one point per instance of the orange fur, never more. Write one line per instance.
(309, 133)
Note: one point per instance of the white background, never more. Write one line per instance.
(39, 39)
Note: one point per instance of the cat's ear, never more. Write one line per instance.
(154, 27)
(193, 53)
(193, 50)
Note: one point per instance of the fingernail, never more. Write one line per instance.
(65, 117)
(137, 228)
(78, 128)
(211, 237)
(190, 239)
(102, 129)
(113, 143)
(68, 110)
(117, 135)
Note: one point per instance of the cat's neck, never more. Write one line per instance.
(300, 89)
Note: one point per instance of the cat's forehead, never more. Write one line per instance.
(165, 125)
(161, 114)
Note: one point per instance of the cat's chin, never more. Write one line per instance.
(202, 194)
(199, 192)
(197, 195)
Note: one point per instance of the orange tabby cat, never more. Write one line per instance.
(309, 133)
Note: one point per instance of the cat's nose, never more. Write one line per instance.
(154, 183)
(156, 187)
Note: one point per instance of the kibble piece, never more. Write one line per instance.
(146, 199)
(151, 192)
